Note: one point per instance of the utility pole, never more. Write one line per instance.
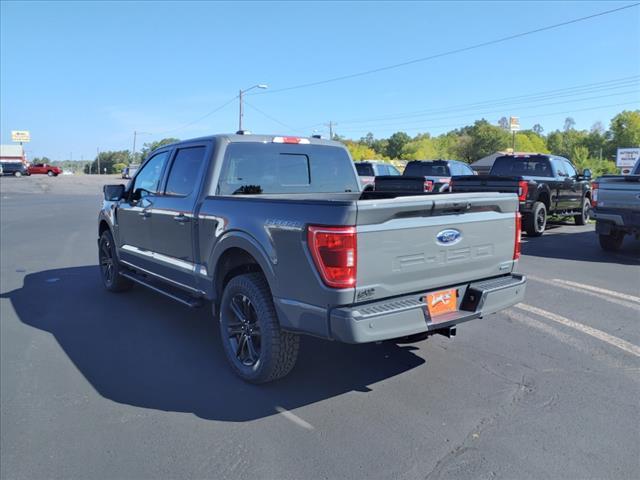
(331, 124)
(241, 112)
(133, 154)
(98, 159)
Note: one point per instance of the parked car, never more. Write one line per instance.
(132, 169)
(545, 185)
(125, 173)
(277, 234)
(17, 169)
(368, 170)
(44, 169)
(437, 173)
(616, 207)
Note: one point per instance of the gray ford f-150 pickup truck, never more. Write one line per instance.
(616, 207)
(277, 234)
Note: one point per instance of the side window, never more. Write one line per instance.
(570, 170)
(466, 170)
(560, 168)
(184, 171)
(455, 169)
(393, 170)
(148, 178)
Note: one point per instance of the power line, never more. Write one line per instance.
(485, 112)
(211, 112)
(528, 98)
(476, 115)
(449, 52)
(270, 117)
(548, 114)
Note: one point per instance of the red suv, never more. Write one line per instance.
(44, 169)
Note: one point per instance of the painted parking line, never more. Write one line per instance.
(622, 299)
(594, 332)
(604, 291)
(294, 418)
(574, 341)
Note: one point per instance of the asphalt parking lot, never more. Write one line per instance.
(100, 385)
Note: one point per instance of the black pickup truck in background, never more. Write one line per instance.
(545, 184)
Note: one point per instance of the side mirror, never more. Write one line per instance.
(586, 174)
(113, 193)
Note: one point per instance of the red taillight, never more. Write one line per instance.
(516, 247)
(428, 185)
(594, 194)
(291, 140)
(523, 190)
(335, 253)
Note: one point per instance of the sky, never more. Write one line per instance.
(83, 76)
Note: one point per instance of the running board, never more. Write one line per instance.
(179, 297)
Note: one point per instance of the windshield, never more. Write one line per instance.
(254, 168)
(524, 166)
(365, 169)
(427, 169)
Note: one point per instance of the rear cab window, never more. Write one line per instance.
(427, 169)
(258, 168)
(365, 169)
(535, 166)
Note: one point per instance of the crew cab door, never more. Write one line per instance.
(135, 212)
(574, 187)
(174, 224)
(562, 184)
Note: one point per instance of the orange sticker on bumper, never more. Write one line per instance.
(444, 301)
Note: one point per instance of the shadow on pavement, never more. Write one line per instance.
(580, 246)
(141, 349)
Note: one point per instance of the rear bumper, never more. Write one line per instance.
(408, 315)
(621, 219)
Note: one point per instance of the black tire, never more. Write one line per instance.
(255, 346)
(611, 242)
(534, 223)
(50, 173)
(109, 266)
(585, 213)
(17, 174)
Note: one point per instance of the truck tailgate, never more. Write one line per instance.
(403, 246)
(619, 192)
(485, 183)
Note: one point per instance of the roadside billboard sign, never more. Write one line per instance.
(626, 158)
(514, 124)
(21, 136)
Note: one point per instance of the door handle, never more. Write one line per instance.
(181, 218)
(145, 213)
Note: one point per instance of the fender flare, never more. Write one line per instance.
(243, 241)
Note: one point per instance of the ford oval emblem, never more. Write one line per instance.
(450, 236)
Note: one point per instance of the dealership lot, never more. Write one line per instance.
(97, 385)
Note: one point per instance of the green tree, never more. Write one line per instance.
(530, 141)
(359, 151)
(485, 140)
(396, 142)
(421, 148)
(625, 129)
(149, 147)
(107, 160)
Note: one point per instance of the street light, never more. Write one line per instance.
(242, 92)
